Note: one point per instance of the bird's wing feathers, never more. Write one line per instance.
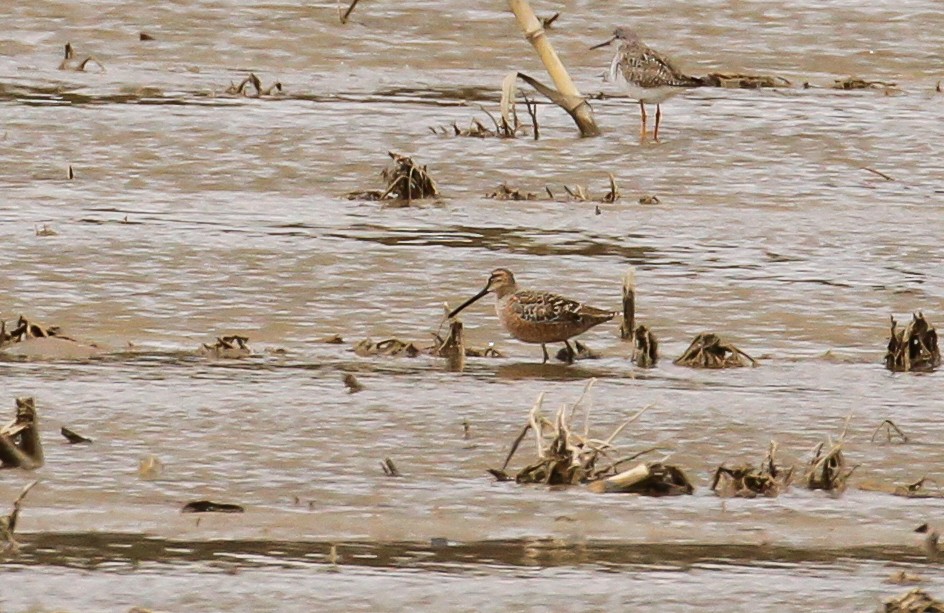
(544, 307)
(647, 68)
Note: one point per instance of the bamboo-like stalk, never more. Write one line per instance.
(576, 104)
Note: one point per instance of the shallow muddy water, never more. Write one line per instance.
(193, 214)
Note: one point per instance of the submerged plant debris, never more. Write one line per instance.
(208, 506)
(645, 347)
(233, 346)
(827, 469)
(391, 346)
(913, 601)
(919, 489)
(858, 83)
(746, 481)
(25, 329)
(743, 81)
(709, 351)
(580, 352)
(914, 347)
(441, 347)
(507, 193)
(406, 181)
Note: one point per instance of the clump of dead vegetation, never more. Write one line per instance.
(20, 444)
(25, 329)
(709, 351)
(406, 181)
(645, 345)
(508, 193)
(913, 601)
(919, 489)
(746, 481)
(71, 62)
(827, 469)
(858, 83)
(914, 347)
(565, 193)
(508, 125)
(743, 81)
(566, 456)
(233, 346)
(252, 87)
(451, 347)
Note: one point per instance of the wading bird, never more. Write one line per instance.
(537, 317)
(647, 75)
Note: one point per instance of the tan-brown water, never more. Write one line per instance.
(194, 214)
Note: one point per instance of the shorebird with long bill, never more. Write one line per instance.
(537, 317)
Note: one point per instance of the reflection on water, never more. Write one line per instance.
(194, 215)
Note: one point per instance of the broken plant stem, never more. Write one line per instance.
(574, 103)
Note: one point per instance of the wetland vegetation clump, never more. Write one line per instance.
(914, 347)
(709, 351)
(406, 181)
(233, 346)
(645, 348)
(71, 62)
(566, 456)
(645, 345)
(746, 481)
(857, 83)
(388, 347)
(917, 489)
(508, 126)
(20, 445)
(743, 81)
(24, 330)
(827, 470)
(913, 601)
(452, 347)
(507, 193)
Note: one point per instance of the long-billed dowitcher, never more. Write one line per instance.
(649, 76)
(537, 317)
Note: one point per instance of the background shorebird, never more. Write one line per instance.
(537, 317)
(648, 76)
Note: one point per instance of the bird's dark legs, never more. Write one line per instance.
(642, 130)
(546, 357)
(655, 132)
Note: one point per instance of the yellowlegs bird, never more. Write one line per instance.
(537, 317)
(649, 76)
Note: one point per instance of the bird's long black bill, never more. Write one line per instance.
(603, 44)
(456, 310)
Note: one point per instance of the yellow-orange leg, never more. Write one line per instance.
(655, 132)
(642, 131)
